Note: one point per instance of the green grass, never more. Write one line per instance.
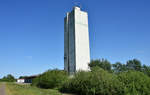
(17, 89)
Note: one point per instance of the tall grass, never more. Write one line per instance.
(16, 89)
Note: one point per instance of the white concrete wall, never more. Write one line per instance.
(81, 40)
(20, 80)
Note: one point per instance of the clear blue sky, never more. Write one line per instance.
(32, 33)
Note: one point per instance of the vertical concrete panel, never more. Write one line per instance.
(82, 40)
(66, 44)
(71, 43)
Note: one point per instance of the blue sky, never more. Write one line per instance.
(32, 33)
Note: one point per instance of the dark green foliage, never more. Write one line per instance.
(96, 82)
(50, 79)
(104, 79)
(119, 67)
(146, 70)
(8, 78)
(135, 83)
(104, 64)
(100, 82)
(21, 77)
(134, 65)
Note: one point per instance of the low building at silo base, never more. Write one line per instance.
(26, 79)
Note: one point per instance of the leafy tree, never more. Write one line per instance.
(134, 65)
(119, 67)
(22, 77)
(8, 78)
(146, 70)
(102, 63)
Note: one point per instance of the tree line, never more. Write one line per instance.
(8, 78)
(118, 67)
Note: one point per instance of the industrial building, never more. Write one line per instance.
(76, 41)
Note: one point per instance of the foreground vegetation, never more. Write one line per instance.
(50, 79)
(17, 89)
(101, 82)
(130, 78)
(104, 78)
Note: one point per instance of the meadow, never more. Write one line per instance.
(26, 89)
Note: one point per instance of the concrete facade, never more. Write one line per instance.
(76, 41)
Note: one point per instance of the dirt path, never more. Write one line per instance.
(2, 89)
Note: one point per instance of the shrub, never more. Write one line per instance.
(50, 79)
(135, 83)
(96, 82)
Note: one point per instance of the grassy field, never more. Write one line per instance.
(17, 89)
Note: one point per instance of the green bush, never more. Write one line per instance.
(96, 82)
(127, 79)
(100, 82)
(135, 83)
(50, 79)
